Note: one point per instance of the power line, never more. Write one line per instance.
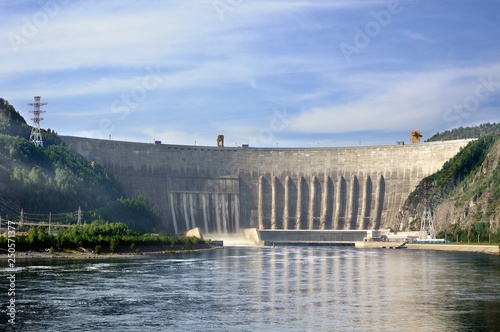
(62, 217)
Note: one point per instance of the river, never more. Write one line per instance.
(260, 289)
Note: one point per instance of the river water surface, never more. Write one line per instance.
(260, 289)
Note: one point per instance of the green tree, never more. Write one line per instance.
(113, 245)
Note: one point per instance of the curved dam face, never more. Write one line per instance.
(224, 189)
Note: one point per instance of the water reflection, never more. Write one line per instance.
(271, 289)
(351, 290)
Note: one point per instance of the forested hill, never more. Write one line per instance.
(466, 132)
(56, 179)
(465, 193)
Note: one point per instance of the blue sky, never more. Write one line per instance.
(264, 73)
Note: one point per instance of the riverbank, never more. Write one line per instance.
(122, 252)
(487, 249)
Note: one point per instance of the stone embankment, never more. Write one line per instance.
(487, 249)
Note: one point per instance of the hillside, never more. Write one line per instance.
(465, 193)
(466, 132)
(55, 179)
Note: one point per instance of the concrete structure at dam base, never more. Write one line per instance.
(331, 238)
(316, 237)
(226, 189)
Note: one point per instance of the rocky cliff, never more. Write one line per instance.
(465, 193)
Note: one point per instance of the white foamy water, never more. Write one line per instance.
(231, 240)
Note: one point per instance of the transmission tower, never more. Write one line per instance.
(427, 226)
(36, 135)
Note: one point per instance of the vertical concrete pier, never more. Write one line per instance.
(286, 207)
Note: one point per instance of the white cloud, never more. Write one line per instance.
(225, 75)
(399, 101)
(416, 36)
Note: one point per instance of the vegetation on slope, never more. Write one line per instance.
(469, 183)
(56, 179)
(466, 132)
(457, 169)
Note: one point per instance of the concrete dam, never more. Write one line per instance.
(225, 189)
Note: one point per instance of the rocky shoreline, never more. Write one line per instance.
(84, 253)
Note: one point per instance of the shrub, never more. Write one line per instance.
(113, 245)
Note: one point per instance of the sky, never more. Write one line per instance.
(264, 73)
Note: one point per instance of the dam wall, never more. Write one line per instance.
(226, 189)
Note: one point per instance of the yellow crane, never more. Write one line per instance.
(415, 136)
(220, 141)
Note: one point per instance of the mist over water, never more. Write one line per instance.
(261, 289)
(231, 239)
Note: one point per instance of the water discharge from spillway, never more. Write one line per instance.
(231, 240)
